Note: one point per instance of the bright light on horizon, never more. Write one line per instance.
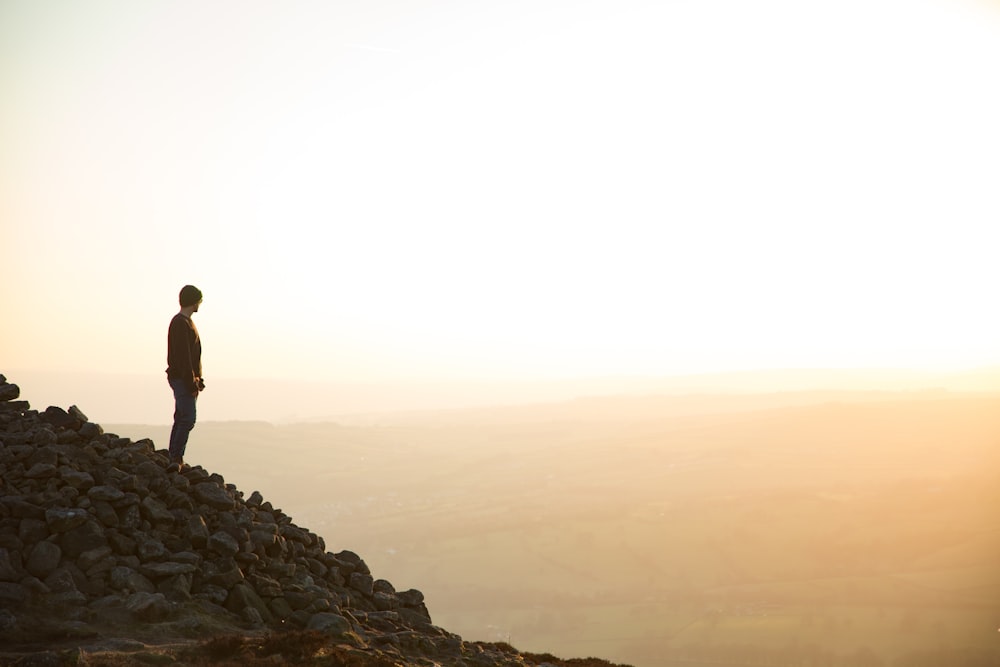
(533, 190)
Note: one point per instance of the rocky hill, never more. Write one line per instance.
(108, 558)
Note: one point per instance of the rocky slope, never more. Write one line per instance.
(105, 552)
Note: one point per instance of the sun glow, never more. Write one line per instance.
(537, 189)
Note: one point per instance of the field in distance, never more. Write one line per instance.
(800, 528)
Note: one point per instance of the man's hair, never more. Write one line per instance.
(189, 296)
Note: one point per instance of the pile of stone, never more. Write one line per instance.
(96, 536)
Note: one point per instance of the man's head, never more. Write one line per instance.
(190, 297)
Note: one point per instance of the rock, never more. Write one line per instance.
(363, 583)
(21, 509)
(59, 418)
(148, 606)
(224, 577)
(12, 595)
(93, 529)
(213, 495)
(223, 543)
(87, 536)
(61, 581)
(410, 598)
(154, 511)
(385, 601)
(197, 531)
(351, 562)
(63, 520)
(43, 559)
(242, 596)
(41, 471)
(329, 623)
(125, 578)
(109, 494)
(160, 570)
(91, 430)
(77, 414)
(77, 479)
(8, 572)
(150, 549)
(177, 587)
(8, 392)
(89, 559)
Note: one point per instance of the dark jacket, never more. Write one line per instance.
(184, 351)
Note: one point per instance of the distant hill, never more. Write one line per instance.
(146, 399)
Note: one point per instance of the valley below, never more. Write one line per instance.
(800, 528)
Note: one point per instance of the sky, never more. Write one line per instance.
(378, 190)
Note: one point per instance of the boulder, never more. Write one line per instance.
(61, 520)
(213, 495)
(149, 606)
(329, 623)
(43, 559)
(9, 392)
(241, 597)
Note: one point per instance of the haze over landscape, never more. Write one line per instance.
(660, 331)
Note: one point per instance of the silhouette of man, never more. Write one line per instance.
(184, 372)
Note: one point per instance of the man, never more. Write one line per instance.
(184, 372)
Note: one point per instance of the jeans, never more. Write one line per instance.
(185, 413)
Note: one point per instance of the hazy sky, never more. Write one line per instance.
(374, 189)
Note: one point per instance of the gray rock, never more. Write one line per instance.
(262, 539)
(59, 418)
(154, 511)
(61, 581)
(87, 536)
(91, 430)
(32, 530)
(130, 518)
(160, 570)
(9, 392)
(106, 493)
(148, 606)
(126, 579)
(362, 583)
(197, 530)
(214, 594)
(12, 595)
(329, 623)
(43, 559)
(106, 514)
(242, 596)
(89, 559)
(77, 479)
(177, 587)
(63, 520)
(264, 585)
(44, 436)
(213, 495)
(224, 577)
(8, 571)
(350, 562)
(149, 549)
(41, 471)
(385, 601)
(223, 543)
(383, 586)
(77, 414)
(410, 598)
